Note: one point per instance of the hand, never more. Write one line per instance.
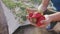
(29, 10)
(46, 22)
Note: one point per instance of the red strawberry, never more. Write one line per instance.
(38, 17)
(35, 17)
(39, 21)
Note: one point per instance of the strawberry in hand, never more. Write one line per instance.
(35, 17)
(38, 18)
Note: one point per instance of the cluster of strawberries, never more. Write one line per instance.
(35, 17)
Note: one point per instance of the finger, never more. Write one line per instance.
(43, 26)
(34, 24)
(44, 23)
(31, 10)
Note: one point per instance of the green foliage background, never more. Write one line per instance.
(21, 13)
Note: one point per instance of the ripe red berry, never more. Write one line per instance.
(39, 21)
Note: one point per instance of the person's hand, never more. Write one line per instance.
(30, 12)
(46, 22)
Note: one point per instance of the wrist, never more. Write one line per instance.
(41, 8)
(51, 18)
(48, 18)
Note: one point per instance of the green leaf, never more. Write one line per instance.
(23, 17)
(9, 4)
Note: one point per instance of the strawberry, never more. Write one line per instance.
(39, 20)
(38, 17)
(35, 17)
